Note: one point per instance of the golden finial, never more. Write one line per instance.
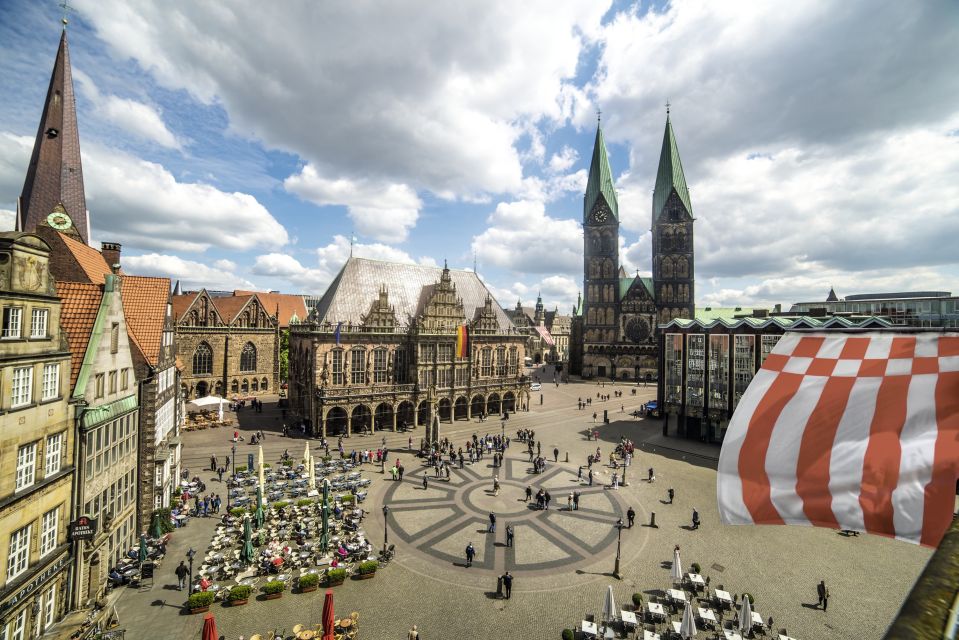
(66, 8)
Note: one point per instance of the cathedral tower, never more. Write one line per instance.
(53, 190)
(601, 261)
(672, 230)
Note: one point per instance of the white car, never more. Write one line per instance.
(535, 386)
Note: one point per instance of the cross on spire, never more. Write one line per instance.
(667, 106)
(66, 8)
(599, 115)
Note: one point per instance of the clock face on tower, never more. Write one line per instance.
(601, 214)
(59, 220)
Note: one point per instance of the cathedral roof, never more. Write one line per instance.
(627, 282)
(670, 174)
(348, 297)
(600, 178)
(292, 307)
(55, 177)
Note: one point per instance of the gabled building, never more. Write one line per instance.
(379, 351)
(620, 313)
(548, 331)
(36, 442)
(229, 345)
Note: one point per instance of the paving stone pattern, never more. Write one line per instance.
(562, 561)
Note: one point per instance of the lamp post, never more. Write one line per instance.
(189, 555)
(619, 536)
(386, 527)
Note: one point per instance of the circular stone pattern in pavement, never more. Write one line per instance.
(441, 520)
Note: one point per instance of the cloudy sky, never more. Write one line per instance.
(238, 144)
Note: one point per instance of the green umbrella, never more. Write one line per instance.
(325, 533)
(247, 554)
(258, 515)
(156, 527)
(142, 556)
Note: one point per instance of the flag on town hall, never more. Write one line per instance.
(848, 431)
(336, 334)
(462, 341)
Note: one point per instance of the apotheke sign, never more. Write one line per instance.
(83, 528)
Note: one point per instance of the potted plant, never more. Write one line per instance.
(308, 582)
(637, 601)
(335, 577)
(750, 596)
(240, 467)
(347, 499)
(367, 569)
(200, 601)
(236, 512)
(568, 634)
(240, 594)
(695, 568)
(281, 504)
(273, 589)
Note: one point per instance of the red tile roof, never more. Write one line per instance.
(144, 305)
(182, 303)
(81, 302)
(289, 305)
(230, 306)
(94, 265)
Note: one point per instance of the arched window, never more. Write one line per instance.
(358, 365)
(264, 384)
(255, 385)
(246, 385)
(248, 357)
(235, 386)
(203, 360)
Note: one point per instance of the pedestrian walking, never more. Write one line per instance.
(495, 486)
(182, 572)
(590, 477)
(546, 499)
(509, 535)
(470, 552)
(425, 482)
(529, 493)
(576, 501)
(630, 517)
(651, 476)
(670, 494)
(555, 454)
(821, 591)
(594, 420)
(220, 473)
(413, 634)
(492, 522)
(507, 584)
(579, 473)
(695, 518)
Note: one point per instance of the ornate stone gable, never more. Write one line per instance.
(443, 310)
(253, 316)
(201, 313)
(485, 320)
(382, 315)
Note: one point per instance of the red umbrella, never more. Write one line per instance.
(327, 616)
(277, 561)
(209, 628)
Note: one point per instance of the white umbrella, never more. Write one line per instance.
(262, 474)
(677, 571)
(306, 451)
(745, 616)
(609, 605)
(688, 627)
(312, 473)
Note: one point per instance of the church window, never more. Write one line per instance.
(203, 360)
(608, 269)
(501, 361)
(379, 365)
(400, 366)
(487, 363)
(264, 384)
(255, 384)
(682, 267)
(513, 361)
(248, 357)
(610, 316)
(337, 366)
(245, 387)
(667, 267)
(358, 365)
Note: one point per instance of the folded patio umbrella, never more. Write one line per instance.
(156, 526)
(687, 629)
(259, 516)
(677, 571)
(745, 616)
(142, 555)
(609, 605)
(262, 474)
(247, 554)
(306, 452)
(325, 532)
(209, 628)
(328, 622)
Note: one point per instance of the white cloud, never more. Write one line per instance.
(225, 265)
(383, 211)
(14, 158)
(142, 120)
(522, 238)
(191, 274)
(8, 220)
(435, 100)
(558, 292)
(560, 162)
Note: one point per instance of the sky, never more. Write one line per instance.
(243, 144)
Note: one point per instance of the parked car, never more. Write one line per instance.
(536, 386)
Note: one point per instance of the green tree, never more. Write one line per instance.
(284, 355)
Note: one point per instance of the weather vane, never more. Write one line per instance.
(66, 8)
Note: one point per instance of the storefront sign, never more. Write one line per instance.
(83, 528)
(35, 583)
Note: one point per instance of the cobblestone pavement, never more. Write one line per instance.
(562, 561)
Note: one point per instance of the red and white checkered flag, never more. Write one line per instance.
(848, 431)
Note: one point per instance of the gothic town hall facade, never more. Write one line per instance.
(617, 322)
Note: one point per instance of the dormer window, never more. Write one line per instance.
(52, 132)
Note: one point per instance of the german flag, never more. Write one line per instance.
(462, 341)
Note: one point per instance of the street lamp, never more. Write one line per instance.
(619, 536)
(191, 553)
(386, 527)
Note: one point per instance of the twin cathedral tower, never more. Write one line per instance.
(620, 313)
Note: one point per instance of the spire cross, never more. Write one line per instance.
(599, 115)
(667, 106)
(66, 8)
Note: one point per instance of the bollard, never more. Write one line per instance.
(652, 519)
(567, 456)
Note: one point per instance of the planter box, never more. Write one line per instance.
(273, 596)
(334, 583)
(307, 589)
(366, 576)
(200, 609)
(237, 603)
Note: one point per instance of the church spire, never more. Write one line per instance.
(600, 178)
(670, 175)
(53, 189)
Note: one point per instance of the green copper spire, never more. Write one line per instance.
(670, 175)
(600, 178)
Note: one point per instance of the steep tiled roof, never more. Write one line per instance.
(94, 266)
(144, 305)
(230, 306)
(358, 284)
(81, 302)
(292, 307)
(182, 303)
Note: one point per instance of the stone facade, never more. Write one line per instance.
(229, 345)
(392, 367)
(548, 332)
(36, 442)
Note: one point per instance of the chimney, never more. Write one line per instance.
(111, 253)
